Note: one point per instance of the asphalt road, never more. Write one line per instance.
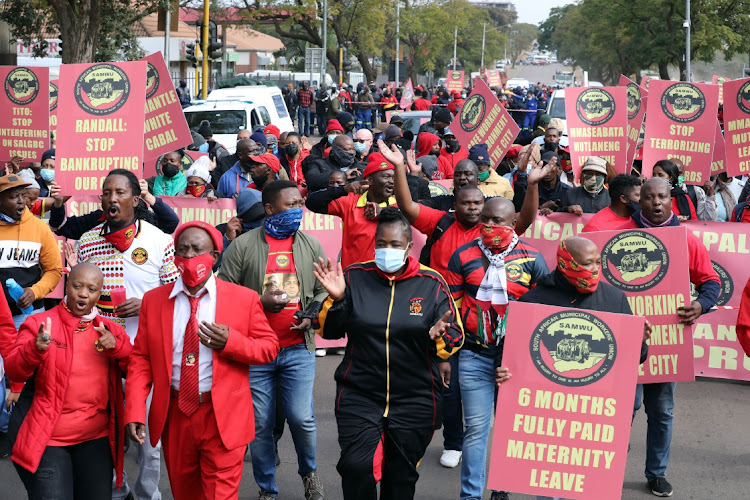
(710, 450)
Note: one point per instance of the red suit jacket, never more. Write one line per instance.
(251, 342)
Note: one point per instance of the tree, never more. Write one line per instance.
(356, 24)
(91, 30)
(625, 36)
(547, 27)
(520, 38)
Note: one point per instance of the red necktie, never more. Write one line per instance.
(188, 399)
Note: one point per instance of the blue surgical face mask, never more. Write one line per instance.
(360, 147)
(47, 174)
(331, 137)
(390, 260)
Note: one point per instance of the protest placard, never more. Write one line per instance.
(651, 267)
(166, 128)
(484, 120)
(681, 124)
(597, 121)
(24, 119)
(718, 353)
(101, 123)
(454, 81)
(637, 99)
(729, 248)
(737, 126)
(53, 106)
(493, 78)
(546, 233)
(562, 423)
(720, 80)
(719, 160)
(407, 98)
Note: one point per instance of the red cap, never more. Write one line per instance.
(269, 159)
(334, 125)
(456, 94)
(215, 235)
(377, 163)
(273, 130)
(514, 151)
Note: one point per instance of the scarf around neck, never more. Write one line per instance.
(492, 296)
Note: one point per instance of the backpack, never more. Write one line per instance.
(445, 222)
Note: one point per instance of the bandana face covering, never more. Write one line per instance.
(593, 183)
(283, 225)
(195, 269)
(496, 238)
(196, 191)
(123, 237)
(584, 280)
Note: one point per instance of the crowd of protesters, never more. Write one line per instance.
(218, 364)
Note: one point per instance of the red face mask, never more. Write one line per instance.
(196, 191)
(194, 270)
(496, 238)
(122, 238)
(584, 280)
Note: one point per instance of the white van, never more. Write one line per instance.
(234, 109)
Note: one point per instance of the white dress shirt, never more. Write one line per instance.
(206, 312)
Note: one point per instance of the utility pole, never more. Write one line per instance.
(455, 41)
(686, 25)
(167, 26)
(484, 32)
(323, 63)
(205, 43)
(398, 30)
(341, 66)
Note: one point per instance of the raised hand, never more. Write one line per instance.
(439, 328)
(392, 155)
(106, 340)
(332, 278)
(44, 336)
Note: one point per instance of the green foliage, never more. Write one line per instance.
(521, 37)
(613, 37)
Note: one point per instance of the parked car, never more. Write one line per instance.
(244, 107)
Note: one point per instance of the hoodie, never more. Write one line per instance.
(425, 141)
(30, 255)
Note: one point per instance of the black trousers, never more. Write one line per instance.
(81, 471)
(372, 452)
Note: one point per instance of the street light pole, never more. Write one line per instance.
(484, 31)
(455, 41)
(325, 44)
(204, 39)
(168, 23)
(686, 25)
(398, 46)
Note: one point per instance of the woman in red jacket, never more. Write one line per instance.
(68, 424)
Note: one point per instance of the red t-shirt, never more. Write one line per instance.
(358, 236)
(421, 104)
(282, 274)
(85, 413)
(443, 248)
(604, 220)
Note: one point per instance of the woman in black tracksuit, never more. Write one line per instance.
(402, 324)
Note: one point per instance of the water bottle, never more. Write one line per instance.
(15, 290)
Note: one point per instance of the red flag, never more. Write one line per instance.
(407, 98)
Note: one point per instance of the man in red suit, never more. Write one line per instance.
(197, 337)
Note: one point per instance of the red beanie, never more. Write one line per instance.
(273, 130)
(376, 163)
(214, 233)
(334, 125)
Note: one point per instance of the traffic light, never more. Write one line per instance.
(190, 53)
(213, 44)
(347, 66)
(59, 49)
(747, 71)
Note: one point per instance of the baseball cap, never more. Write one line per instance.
(12, 181)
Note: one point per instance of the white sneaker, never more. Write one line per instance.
(319, 353)
(450, 458)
